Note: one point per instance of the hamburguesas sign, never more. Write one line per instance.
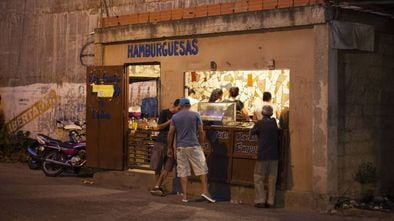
(163, 48)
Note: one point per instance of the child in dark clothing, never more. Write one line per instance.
(266, 130)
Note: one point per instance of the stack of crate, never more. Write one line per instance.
(139, 149)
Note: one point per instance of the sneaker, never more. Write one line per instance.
(157, 191)
(209, 199)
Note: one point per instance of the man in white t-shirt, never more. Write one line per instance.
(193, 101)
(258, 107)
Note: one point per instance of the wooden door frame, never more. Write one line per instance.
(158, 91)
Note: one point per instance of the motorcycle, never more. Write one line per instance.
(36, 151)
(76, 130)
(35, 154)
(62, 155)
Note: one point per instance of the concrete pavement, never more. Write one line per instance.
(29, 195)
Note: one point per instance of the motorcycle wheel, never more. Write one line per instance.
(77, 170)
(34, 165)
(51, 169)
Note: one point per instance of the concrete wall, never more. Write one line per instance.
(41, 42)
(31, 110)
(366, 107)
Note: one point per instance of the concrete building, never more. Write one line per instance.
(340, 61)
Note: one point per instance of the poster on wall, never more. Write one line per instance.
(36, 107)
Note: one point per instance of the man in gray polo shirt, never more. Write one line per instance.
(186, 124)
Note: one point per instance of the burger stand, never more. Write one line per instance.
(160, 70)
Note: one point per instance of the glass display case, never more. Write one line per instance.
(224, 112)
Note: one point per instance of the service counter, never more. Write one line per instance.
(231, 154)
(230, 151)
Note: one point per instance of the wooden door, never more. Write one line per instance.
(106, 118)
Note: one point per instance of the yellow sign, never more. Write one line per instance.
(28, 115)
(94, 88)
(103, 90)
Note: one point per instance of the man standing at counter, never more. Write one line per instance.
(267, 100)
(242, 114)
(160, 162)
(266, 130)
(185, 125)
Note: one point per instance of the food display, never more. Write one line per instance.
(252, 85)
(239, 124)
(223, 112)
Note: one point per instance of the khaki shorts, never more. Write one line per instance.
(159, 159)
(191, 155)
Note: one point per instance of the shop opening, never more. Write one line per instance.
(252, 84)
(230, 151)
(233, 160)
(143, 110)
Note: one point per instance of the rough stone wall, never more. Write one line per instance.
(40, 46)
(41, 41)
(366, 107)
(320, 93)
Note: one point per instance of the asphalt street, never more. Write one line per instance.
(28, 195)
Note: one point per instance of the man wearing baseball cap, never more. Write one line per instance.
(188, 128)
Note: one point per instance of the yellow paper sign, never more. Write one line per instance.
(104, 90)
(94, 88)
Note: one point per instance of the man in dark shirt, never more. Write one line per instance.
(266, 130)
(159, 160)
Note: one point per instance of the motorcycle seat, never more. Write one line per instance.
(67, 144)
(50, 139)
